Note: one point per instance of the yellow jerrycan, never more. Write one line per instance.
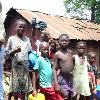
(38, 96)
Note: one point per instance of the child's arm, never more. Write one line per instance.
(34, 75)
(17, 50)
(34, 82)
(10, 53)
(94, 82)
(55, 67)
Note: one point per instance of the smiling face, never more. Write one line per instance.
(81, 48)
(20, 27)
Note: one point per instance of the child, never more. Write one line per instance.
(81, 81)
(63, 60)
(18, 47)
(91, 66)
(43, 68)
(52, 49)
(92, 62)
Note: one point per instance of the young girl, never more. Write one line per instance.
(18, 47)
(81, 81)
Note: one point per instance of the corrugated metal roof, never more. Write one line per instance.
(56, 25)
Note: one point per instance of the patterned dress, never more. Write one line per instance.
(81, 81)
(20, 80)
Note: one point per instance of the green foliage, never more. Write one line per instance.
(77, 8)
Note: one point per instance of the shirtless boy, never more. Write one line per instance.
(63, 60)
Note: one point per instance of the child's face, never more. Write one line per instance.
(64, 41)
(45, 50)
(20, 28)
(53, 47)
(92, 58)
(42, 37)
(81, 48)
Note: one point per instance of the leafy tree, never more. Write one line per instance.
(78, 8)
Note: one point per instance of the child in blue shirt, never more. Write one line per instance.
(43, 68)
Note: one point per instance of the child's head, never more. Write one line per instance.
(44, 48)
(42, 37)
(53, 46)
(20, 27)
(91, 57)
(81, 47)
(63, 40)
(45, 37)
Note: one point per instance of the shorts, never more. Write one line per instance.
(50, 94)
(66, 86)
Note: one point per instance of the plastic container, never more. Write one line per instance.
(38, 96)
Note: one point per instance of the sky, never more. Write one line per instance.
(54, 7)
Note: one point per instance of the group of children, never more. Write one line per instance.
(68, 76)
(58, 75)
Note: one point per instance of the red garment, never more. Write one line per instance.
(91, 77)
(50, 94)
(51, 55)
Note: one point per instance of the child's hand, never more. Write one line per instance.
(18, 49)
(94, 91)
(57, 87)
(34, 93)
(94, 86)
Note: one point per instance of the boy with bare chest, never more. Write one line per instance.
(63, 60)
